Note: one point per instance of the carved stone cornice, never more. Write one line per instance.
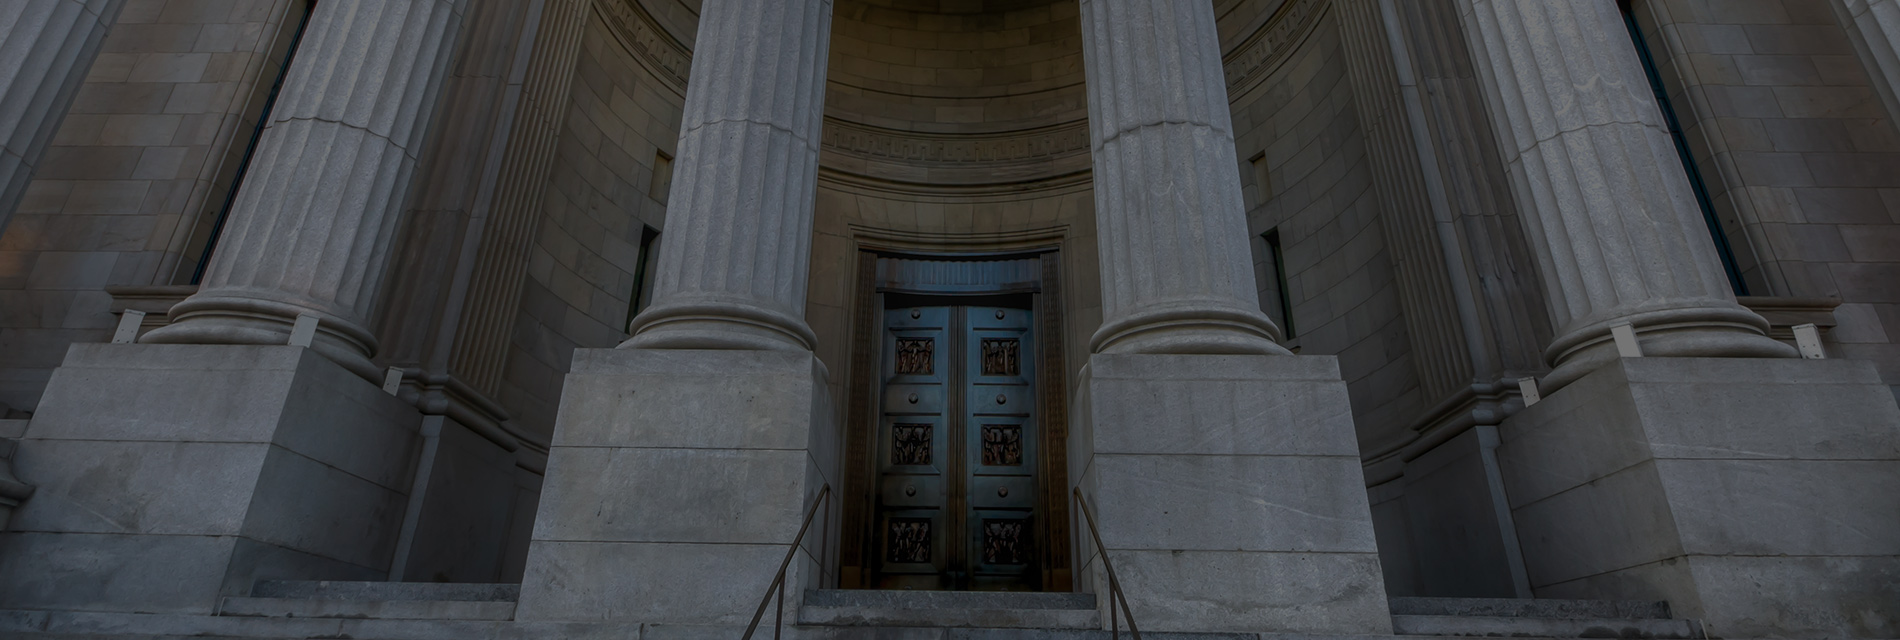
(666, 56)
(1041, 143)
(1254, 60)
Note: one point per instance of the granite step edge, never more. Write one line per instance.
(1530, 608)
(255, 607)
(1523, 627)
(385, 591)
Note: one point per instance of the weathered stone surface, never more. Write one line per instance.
(313, 224)
(1607, 207)
(636, 525)
(46, 47)
(1694, 480)
(158, 451)
(1176, 277)
(734, 260)
(1251, 532)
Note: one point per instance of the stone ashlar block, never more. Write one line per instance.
(676, 484)
(1228, 493)
(211, 465)
(1756, 495)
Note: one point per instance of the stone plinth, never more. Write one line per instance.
(1228, 493)
(676, 483)
(1761, 496)
(171, 475)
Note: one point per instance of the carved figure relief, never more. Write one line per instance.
(1001, 357)
(1002, 445)
(909, 540)
(916, 356)
(1003, 542)
(910, 444)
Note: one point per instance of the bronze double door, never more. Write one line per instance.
(957, 450)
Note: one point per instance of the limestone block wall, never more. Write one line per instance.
(1799, 155)
(624, 111)
(139, 168)
(1310, 180)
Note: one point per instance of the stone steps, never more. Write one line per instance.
(949, 609)
(1488, 617)
(375, 610)
(374, 601)
(1522, 608)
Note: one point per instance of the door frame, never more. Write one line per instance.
(858, 544)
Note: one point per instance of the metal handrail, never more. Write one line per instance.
(778, 582)
(1114, 586)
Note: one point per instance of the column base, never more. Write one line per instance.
(1759, 496)
(1228, 492)
(1729, 331)
(230, 320)
(169, 476)
(676, 483)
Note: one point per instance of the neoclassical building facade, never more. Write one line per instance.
(618, 318)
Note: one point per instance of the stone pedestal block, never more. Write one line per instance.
(1228, 493)
(171, 475)
(1761, 496)
(676, 483)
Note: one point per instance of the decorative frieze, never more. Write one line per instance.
(670, 60)
(1010, 146)
(1252, 61)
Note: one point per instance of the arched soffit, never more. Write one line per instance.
(964, 92)
(956, 92)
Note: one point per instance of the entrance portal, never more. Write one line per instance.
(957, 441)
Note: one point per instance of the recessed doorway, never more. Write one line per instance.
(955, 455)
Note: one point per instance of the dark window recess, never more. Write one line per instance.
(1276, 258)
(250, 149)
(642, 293)
(1696, 184)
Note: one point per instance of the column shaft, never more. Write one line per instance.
(1874, 25)
(313, 224)
(1609, 212)
(46, 47)
(1176, 272)
(737, 248)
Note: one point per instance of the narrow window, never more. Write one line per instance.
(277, 75)
(1262, 182)
(1696, 184)
(662, 177)
(1276, 263)
(642, 293)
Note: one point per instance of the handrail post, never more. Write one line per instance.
(1114, 586)
(778, 580)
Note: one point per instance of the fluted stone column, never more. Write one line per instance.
(1608, 209)
(1183, 400)
(1177, 276)
(312, 227)
(1875, 27)
(734, 258)
(46, 46)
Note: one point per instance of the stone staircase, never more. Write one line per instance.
(421, 611)
(375, 600)
(1508, 618)
(949, 610)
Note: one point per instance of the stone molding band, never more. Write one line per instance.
(1189, 327)
(701, 323)
(666, 56)
(1254, 60)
